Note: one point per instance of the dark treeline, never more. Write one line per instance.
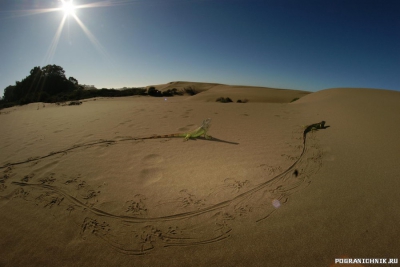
(43, 84)
(49, 84)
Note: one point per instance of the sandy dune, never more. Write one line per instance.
(78, 187)
(211, 91)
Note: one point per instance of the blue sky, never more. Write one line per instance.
(297, 44)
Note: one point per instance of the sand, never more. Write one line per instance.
(78, 187)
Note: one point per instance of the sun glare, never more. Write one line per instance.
(68, 7)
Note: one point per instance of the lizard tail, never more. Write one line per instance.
(164, 136)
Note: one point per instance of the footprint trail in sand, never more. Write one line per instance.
(142, 224)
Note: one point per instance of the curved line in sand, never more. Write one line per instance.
(132, 219)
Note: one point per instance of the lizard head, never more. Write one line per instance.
(206, 123)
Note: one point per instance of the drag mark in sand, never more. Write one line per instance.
(200, 220)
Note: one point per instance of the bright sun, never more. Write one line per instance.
(68, 7)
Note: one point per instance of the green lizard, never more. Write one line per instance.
(202, 130)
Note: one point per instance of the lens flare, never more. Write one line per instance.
(68, 7)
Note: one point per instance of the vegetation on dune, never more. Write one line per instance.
(228, 100)
(152, 91)
(224, 100)
(190, 90)
(41, 85)
(49, 84)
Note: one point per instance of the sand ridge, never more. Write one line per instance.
(211, 91)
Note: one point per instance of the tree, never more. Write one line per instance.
(73, 81)
(9, 93)
(54, 70)
(40, 85)
(152, 91)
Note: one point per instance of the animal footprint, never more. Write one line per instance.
(137, 205)
(235, 185)
(7, 173)
(27, 177)
(72, 180)
(274, 169)
(2, 186)
(190, 200)
(242, 209)
(94, 227)
(91, 194)
(48, 180)
(20, 193)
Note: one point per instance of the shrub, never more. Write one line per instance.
(152, 91)
(172, 92)
(294, 99)
(191, 91)
(224, 100)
